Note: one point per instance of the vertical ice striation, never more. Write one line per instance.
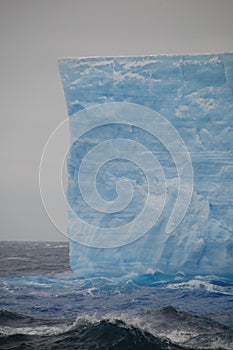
(150, 180)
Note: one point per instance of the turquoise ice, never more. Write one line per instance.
(181, 171)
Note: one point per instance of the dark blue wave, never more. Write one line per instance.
(103, 334)
(162, 329)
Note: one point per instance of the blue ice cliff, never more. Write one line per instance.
(150, 164)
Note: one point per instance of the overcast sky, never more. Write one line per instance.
(34, 33)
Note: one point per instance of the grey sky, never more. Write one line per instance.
(33, 34)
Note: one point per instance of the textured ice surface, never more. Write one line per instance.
(195, 95)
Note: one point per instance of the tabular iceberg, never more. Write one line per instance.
(150, 164)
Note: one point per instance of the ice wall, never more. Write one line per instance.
(164, 199)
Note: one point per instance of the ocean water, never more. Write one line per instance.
(45, 306)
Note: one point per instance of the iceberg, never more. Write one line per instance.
(150, 180)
